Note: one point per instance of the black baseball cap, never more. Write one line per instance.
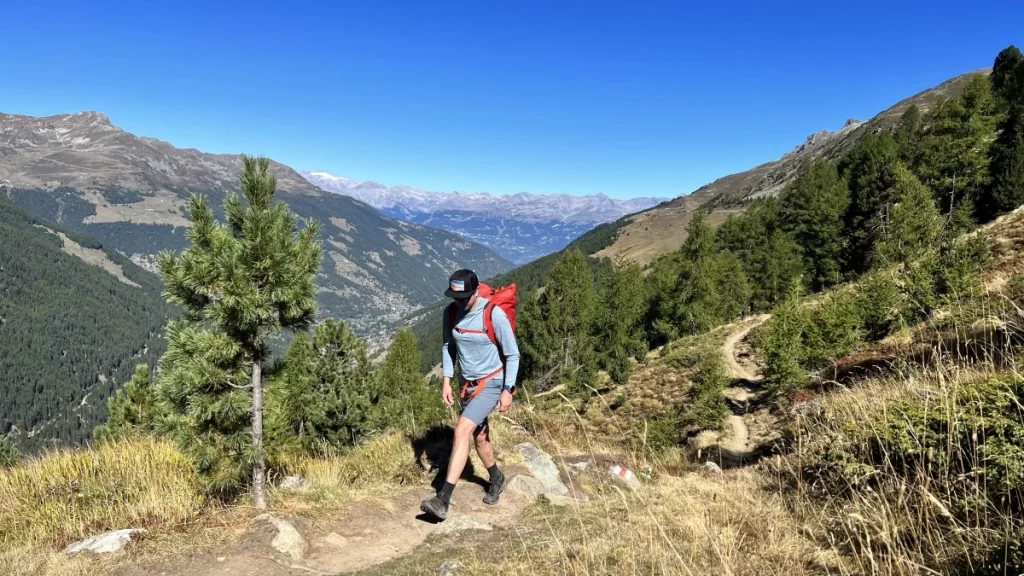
(462, 284)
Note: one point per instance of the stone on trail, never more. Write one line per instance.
(288, 541)
(292, 483)
(449, 568)
(581, 466)
(527, 485)
(460, 523)
(543, 468)
(712, 467)
(105, 543)
(336, 540)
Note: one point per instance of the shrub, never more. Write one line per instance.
(66, 495)
(784, 347)
(9, 455)
(881, 305)
(709, 382)
(832, 330)
(660, 433)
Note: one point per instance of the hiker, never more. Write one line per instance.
(482, 336)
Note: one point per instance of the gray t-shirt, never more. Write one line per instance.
(477, 356)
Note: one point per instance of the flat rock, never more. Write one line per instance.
(105, 543)
(581, 466)
(460, 523)
(449, 568)
(288, 541)
(712, 467)
(336, 540)
(293, 483)
(527, 485)
(543, 468)
(565, 501)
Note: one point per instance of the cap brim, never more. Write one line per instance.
(457, 295)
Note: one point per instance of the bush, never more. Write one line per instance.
(832, 330)
(660, 433)
(881, 305)
(63, 496)
(783, 348)
(709, 383)
(9, 455)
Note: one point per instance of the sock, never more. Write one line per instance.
(494, 472)
(446, 492)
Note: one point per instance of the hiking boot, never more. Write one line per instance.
(436, 507)
(494, 490)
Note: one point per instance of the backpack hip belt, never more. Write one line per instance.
(478, 385)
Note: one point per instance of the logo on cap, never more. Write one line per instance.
(458, 286)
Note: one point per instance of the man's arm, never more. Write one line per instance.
(507, 340)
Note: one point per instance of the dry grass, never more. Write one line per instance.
(866, 475)
(65, 495)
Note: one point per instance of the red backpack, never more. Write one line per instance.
(504, 298)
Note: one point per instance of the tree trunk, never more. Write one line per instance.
(258, 465)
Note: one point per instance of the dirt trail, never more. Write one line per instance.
(361, 535)
(736, 440)
(735, 369)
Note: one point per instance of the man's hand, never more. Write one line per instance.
(505, 402)
(446, 392)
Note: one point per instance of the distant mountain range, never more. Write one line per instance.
(130, 193)
(521, 227)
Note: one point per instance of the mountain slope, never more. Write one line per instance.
(521, 227)
(650, 233)
(75, 318)
(85, 174)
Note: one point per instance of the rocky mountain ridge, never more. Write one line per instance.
(520, 227)
(131, 193)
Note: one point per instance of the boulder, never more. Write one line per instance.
(292, 483)
(527, 485)
(105, 543)
(712, 467)
(460, 523)
(543, 468)
(288, 541)
(449, 568)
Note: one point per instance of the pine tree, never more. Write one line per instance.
(813, 207)
(1006, 164)
(570, 307)
(325, 391)
(133, 410)
(698, 306)
(867, 168)
(954, 147)
(246, 279)
(784, 345)
(403, 399)
(624, 302)
(772, 269)
(913, 224)
(908, 136)
(708, 402)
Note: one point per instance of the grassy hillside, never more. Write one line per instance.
(70, 331)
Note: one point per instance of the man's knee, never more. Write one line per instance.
(465, 428)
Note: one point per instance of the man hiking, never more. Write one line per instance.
(480, 334)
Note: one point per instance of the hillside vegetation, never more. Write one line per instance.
(70, 331)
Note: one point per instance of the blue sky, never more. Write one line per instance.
(627, 98)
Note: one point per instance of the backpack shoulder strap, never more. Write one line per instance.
(489, 324)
